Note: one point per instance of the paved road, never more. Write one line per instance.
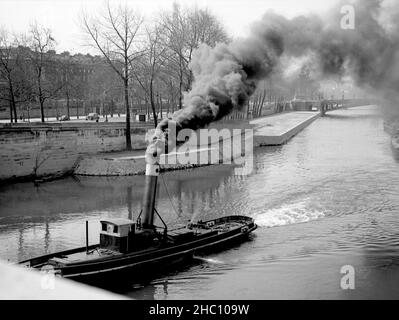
(115, 118)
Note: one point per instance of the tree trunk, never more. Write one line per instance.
(181, 85)
(56, 110)
(68, 113)
(190, 79)
(11, 116)
(15, 112)
(147, 109)
(42, 109)
(167, 108)
(154, 112)
(256, 105)
(126, 85)
(261, 103)
(41, 99)
(13, 104)
(160, 105)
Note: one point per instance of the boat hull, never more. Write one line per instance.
(141, 270)
(138, 267)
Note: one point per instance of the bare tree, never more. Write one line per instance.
(202, 27)
(172, 93)
(42, 45)
(149, 66)
(6, 72)
(12, 73)
(184, 30)
(68, 87)
(71, 83)
(174, 27)
(258, 99)
(104, 85)
(115, 34)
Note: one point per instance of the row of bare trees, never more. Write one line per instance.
(30, 72)
(275, 93)
(152, 59)
(140, 62)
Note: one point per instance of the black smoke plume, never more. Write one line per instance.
(224, 78)
(227, 75)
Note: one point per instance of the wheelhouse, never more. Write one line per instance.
(117, 234)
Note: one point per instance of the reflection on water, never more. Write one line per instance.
(52, 216)
(327, 198)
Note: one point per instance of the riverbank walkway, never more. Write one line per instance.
(270, 130)
(278, 129)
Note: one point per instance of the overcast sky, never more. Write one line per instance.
(62, 16)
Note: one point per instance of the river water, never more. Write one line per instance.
(326, 199)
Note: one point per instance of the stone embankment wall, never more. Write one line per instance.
(196, 151)
(54, 149)
(40, 150)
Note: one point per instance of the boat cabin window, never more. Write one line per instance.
(117, 228)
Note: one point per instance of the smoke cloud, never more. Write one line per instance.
(369, 53)
(227, 75)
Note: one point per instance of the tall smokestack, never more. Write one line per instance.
(153, 152)
(151, 179)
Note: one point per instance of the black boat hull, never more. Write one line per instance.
(139, 266)
(144, 270)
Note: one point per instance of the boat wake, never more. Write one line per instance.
(209, 260)
(288, 214)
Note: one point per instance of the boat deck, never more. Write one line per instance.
(220, 227)
(83, 256)
(176, 236)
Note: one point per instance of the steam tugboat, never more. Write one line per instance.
(130, 251)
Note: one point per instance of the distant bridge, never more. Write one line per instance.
(330, 105)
